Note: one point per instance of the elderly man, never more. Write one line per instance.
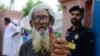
(43, 42)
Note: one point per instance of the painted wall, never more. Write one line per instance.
(67, 4)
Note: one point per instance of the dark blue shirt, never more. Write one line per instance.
(83, 38)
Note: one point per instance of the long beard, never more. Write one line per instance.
(40, 40)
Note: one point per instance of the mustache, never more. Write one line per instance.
(74, 19)
(42, 27)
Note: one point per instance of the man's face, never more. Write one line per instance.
(6, 23)
(41, 20)
(76, 17)
(40, 33)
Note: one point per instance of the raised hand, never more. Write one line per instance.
(58, 46)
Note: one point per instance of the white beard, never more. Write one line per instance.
(40, 40)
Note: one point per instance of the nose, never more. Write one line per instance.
(42, 21)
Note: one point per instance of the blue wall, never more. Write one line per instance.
(96, 25)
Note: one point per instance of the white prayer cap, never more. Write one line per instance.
(39, 7)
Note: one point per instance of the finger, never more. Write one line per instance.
(60, 46)
(61, 52)
(58, 55)
(52, 38)
(51, 33)
(61, 41)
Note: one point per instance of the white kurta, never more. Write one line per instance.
(17, 41)
(9, 41)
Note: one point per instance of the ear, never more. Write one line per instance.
(83, 16)
(51, 21)
(31, 23)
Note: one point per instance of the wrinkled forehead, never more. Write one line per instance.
(40, 12)
(41, 7)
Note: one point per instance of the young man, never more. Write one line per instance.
(43, 42)
(79, 35)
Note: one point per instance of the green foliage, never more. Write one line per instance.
(29, 5)
(2, 7)
(60, 8)
(57, 34)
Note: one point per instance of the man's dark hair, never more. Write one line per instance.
(7, 20)
(77, 8)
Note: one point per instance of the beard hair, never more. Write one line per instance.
(75, 21)
(40, 40)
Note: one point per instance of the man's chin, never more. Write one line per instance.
(40, 40)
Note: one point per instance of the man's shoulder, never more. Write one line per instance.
(25, 48)
(27, 43)
(69, 29)
(87, 29)
(88, 32)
